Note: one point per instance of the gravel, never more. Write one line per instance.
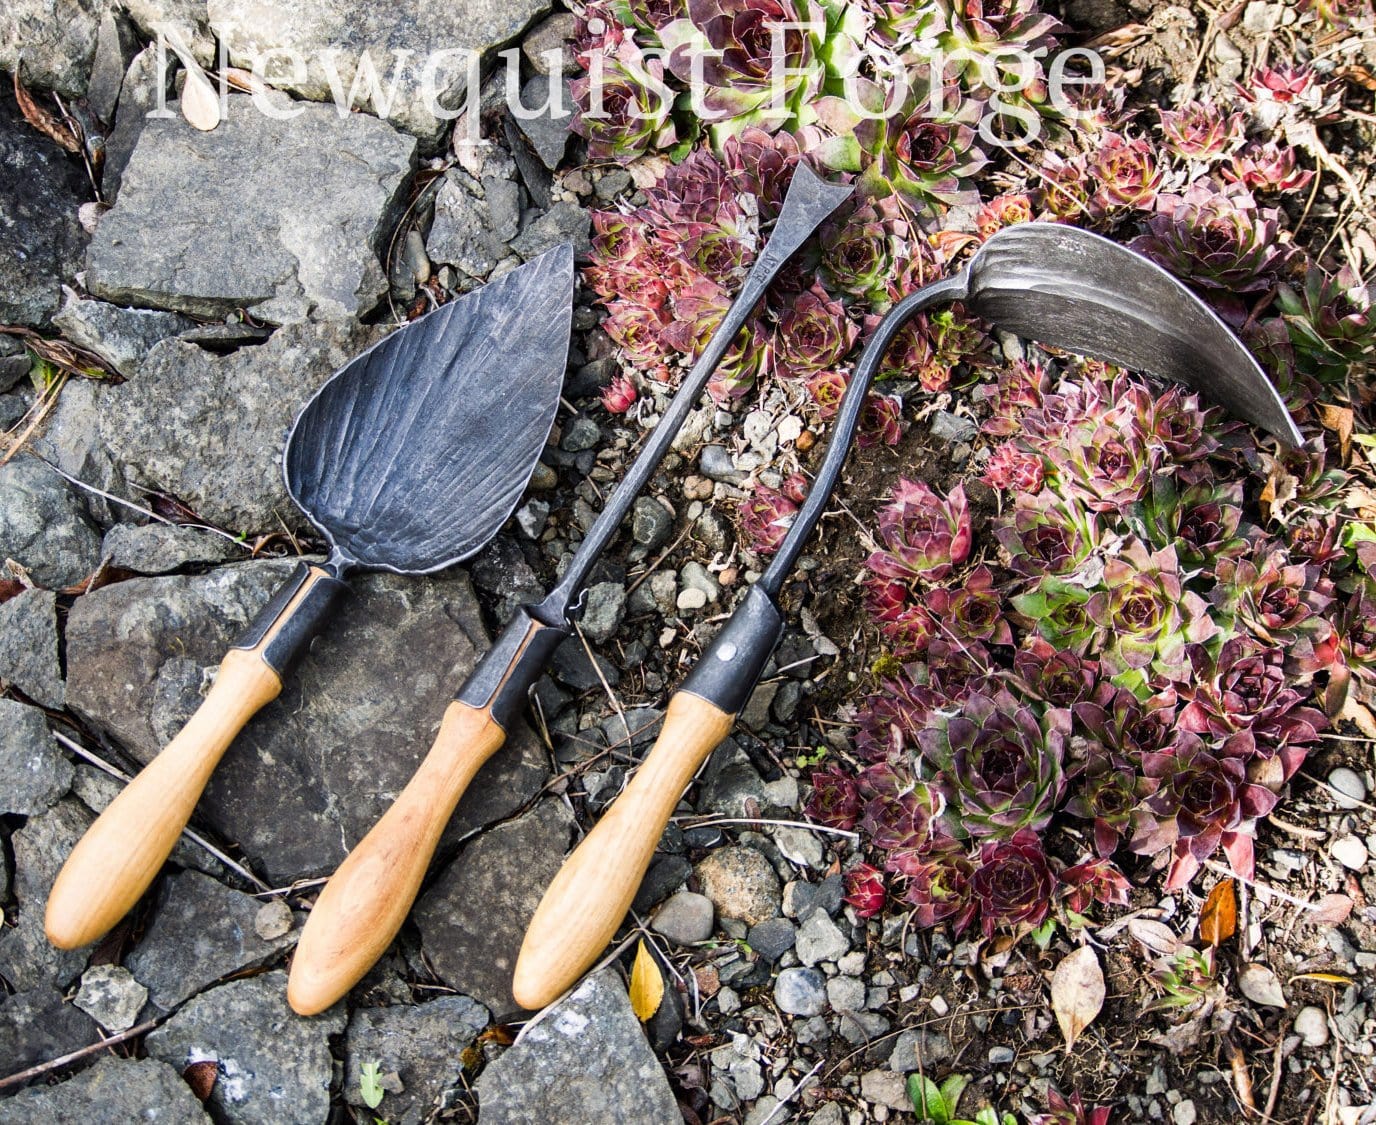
(801, 992)
(1349, 786)
(741, 884)
(820, 940)
(685, 918)
(1350, 852)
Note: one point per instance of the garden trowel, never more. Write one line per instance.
(1054, 284)
(408, 460)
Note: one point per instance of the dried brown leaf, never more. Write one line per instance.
(1077, 992)
(1338, 421)
(200, 1076)
(45, 121)
(1260, 985)
(1331, 910)
(1358, 75)
(1218, 919)
(1155, 937)
(647, 984)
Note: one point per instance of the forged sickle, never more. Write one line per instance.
(1042, 281)
(408, 459)
(366, 900)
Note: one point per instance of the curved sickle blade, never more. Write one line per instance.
(415, 453)
(1075, 290)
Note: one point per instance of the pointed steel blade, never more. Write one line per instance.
(413, 454)
(1076, 290)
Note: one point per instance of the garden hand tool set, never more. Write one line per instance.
(408, 459)
(412, 456)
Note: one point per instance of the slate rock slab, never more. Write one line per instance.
(438, 35)
(587, 1060)
(210, 429)
(38, 1025)
(40, 190)
(70, 439)
(272, 1065)
(36, 772)
(316, 769)
(420, 1044)
(200, 932)
(283, 217)
(114, 1090)
(55, 38)
(43, 524)
(121, 337)
(28, 647)
(474, 917)
(159, 548)
(474, 221)
(41, 847)
(111, 996)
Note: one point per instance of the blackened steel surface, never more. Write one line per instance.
(1079, 291)
(728, 671)
(413, 455)
(847, 421)
(810, 200)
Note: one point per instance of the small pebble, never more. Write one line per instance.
(691, 599)
(1184, 1113)
(1349, 786)
(273, 920)
(1001, 1056)
(846, 994)
(1311, 1025)
(801, 992)
(685, 918)
(1349, 851)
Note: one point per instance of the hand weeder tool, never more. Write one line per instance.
(408, 459)
(364, 904)
(1042, 281)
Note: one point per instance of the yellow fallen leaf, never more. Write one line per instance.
(647, 984)
(1326, 978)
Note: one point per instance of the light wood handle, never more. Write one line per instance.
(122, 852)
(367, 899)
(588, 899)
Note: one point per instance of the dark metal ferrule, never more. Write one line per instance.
(292, 637)
(502, 679)
(732, 664)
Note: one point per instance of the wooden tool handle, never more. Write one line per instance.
(592, 892)
(367, 899)
(122, 852)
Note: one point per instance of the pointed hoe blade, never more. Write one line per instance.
(1078, 291)
(414, 454)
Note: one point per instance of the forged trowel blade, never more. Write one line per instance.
(1076, 290)
(415, 453)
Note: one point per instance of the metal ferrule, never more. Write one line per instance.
(308, 618)
(504, 676)
(733, 663)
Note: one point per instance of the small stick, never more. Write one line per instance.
(200, 841)
(1274, 1093)
(798, 1089)
(712, 822)
(53, 1064)
(1237, 1061)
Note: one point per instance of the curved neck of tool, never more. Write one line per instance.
(848, 421)
(563, 598)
